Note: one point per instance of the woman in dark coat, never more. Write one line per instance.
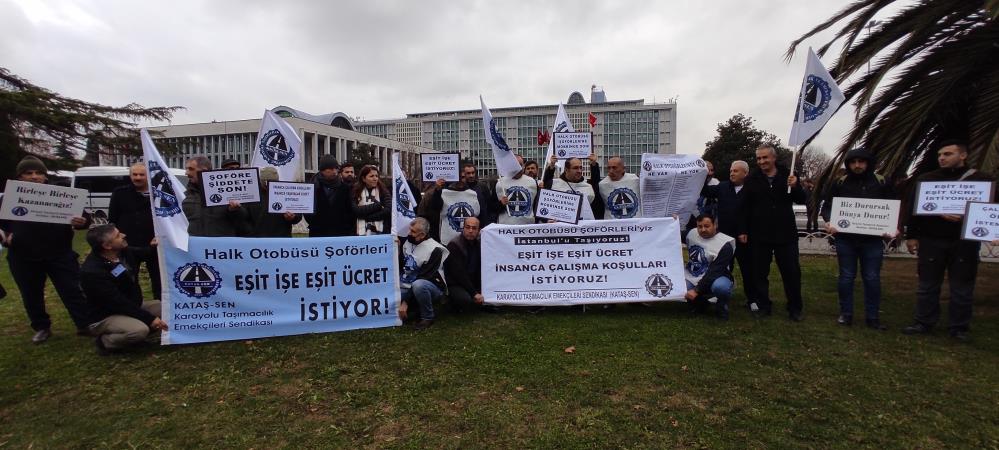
(371, 203)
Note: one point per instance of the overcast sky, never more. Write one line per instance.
(227, 60)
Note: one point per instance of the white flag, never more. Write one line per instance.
(403, 202)
(562, 125)
(506, 160)
(166, 197)
(278, 146)
(818, 100)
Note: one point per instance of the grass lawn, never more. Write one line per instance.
(639, 377)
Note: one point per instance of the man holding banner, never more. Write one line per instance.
(766, 222)
(860, 181)
(37, 250)
(937, 242)
(213, 221)
(572, 181)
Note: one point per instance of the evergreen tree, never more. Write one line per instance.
(738, 139)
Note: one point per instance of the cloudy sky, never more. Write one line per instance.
(228, 59)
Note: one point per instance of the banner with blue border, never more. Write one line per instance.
(239, 288)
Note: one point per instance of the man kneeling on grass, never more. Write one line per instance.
(421, 265)
(107, 276)
(709, 266)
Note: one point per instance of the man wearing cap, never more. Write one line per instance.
(264, 223)
(332, 215)
(213, 221)
(230, 164)
(129, 210)
(860, 181)
(38, 250)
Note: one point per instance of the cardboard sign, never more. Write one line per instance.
(572, 145)
(559, 206)
(437, 166)
(37, 202)
(869, 216)
(221, 186)
(981, 222)
(936, 198)
(298, 198)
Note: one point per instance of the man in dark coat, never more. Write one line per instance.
(129, 210)
(38, 250)
(119, 317)
(332, 215)
(937, 242)
(463, 267)
(727, 197)
(766, 222)
(860, 181)
(266, 224)
(213, 221)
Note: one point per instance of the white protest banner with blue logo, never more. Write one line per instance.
(403, 201)
(166, 197)
(562, 125)
(937, 198)
(506, 160)
(39, 202)
(241, 288)
(870, 216)
(605, 261)
(981, 222)
(574, 144)
(280, 147)
(440, 166)
(818, 100)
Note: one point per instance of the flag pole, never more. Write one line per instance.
(794, 157)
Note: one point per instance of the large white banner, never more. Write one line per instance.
(605, 261)
(671, 184)
(241, 288)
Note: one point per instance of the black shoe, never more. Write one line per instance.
(795, 316)
(423, 324)
(960, 335)
(845, 320)
(41, 336)
(916, 328)
(875, 324)
(101, 349)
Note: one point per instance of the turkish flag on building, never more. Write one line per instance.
(592, 119)
(543, 137)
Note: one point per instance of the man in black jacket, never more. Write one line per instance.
(766, 222)
(937, 241)
(332, 215)
(213, 221)
(463, 267)
(37, 250)
(727, 197)
(119, 316)
(860, 181)
(129, 210)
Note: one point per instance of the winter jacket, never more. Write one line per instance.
(766, 214)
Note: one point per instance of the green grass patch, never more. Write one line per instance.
(639, 377)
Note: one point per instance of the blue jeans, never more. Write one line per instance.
(870, 252)
(424, 292)
(720, 288)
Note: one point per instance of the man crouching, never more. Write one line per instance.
(709, 269)
(110, 282)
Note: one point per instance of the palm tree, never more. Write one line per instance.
(930, 72)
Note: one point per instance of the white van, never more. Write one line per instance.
(100, 181)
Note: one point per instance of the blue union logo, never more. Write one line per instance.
(816, 100)
(497, 137)
(275, 149)
(164, 198)
(197, 280)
